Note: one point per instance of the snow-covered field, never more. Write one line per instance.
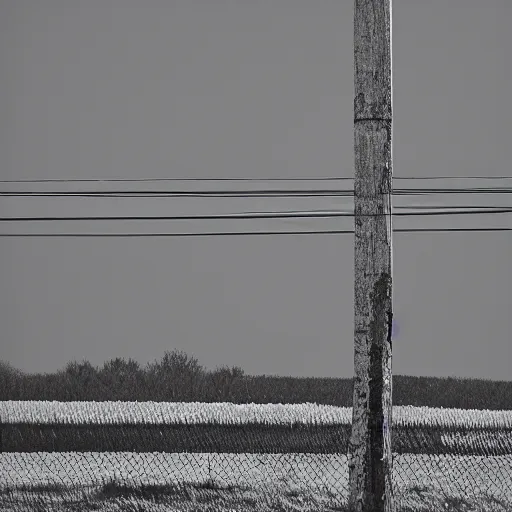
(439, 476)
(454, 475)
(225, 413)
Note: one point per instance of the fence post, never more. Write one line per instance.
(370, 456)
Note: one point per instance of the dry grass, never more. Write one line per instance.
(212, 495)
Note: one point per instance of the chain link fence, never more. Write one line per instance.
(50, 467)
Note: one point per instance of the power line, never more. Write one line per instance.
(253, 215)
(253, 193)
(321, 178)
(452, 177)
(423, 207)
(465, 190)
(447, 207)
(239, 233)
(175, 193)
(146, 180)
(167, 235)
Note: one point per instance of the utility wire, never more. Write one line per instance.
(239, 233)
(418, 207)
(321, 178)
(146, 180)
(255, 215)
(452, 178)
(448, 207)
(253, 193)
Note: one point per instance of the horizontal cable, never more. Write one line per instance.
(448, 207)
(251, 193)
(419, 207)
(320, 178)
(239, 233)
(255, 215)
(149, 180)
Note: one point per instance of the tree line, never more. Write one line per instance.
(178, 377)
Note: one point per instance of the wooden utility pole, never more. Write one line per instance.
(370, 457)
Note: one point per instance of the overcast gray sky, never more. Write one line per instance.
(257, 89)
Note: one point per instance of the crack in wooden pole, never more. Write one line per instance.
(370, 456)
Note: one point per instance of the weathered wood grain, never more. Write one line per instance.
(370, 463)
